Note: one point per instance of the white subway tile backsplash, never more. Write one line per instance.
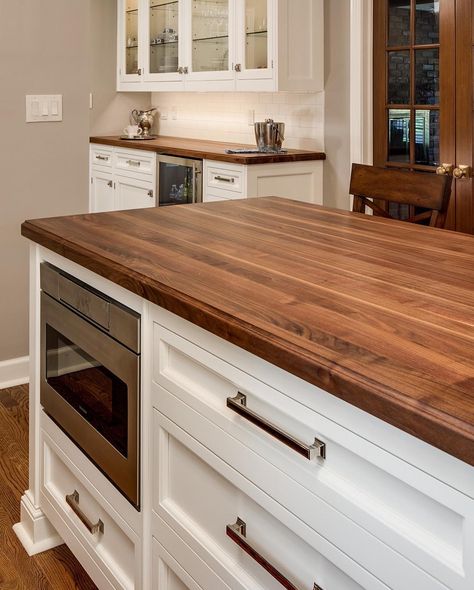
(224, 116)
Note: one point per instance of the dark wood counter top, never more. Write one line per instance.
(211, 150)
(377, 312)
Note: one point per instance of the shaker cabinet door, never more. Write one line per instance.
(102, 196)
(133, 194)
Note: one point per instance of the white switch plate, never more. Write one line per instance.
(44, 108)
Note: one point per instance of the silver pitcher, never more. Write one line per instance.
(269, 135)
(144, 119)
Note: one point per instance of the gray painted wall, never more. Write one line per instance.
(337, 107)
(43, 166)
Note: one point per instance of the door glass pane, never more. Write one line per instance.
(427, 22)
(176, 184)
(164, 30)
(98, 395)
(399, 22)
(399, 77)
(427, 137)
(256, 35)
(131, 36)
(399, 135)
(210, 31)
(427, 76)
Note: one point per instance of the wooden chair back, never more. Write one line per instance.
(419, 189)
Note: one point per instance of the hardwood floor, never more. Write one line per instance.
(53, 570)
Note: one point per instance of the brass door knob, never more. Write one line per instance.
(445, 170)
(462, 171)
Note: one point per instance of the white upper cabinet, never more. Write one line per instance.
(221, 45)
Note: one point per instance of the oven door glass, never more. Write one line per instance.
(98, 395)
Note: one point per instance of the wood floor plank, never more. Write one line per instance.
(53, 570)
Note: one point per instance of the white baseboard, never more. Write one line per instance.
(34, 530)
(14, 372)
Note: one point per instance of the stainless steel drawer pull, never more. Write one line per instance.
(239, 405)
(238, 533)
(99, 157)
(133, 163)
(73, 502)
(224, 179)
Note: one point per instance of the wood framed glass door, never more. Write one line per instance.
(423, 93)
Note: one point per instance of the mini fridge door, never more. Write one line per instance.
(179, 181)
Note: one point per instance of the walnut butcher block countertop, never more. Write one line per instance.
(210, 150)
(377, 312)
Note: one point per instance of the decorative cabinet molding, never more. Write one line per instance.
(230, 45)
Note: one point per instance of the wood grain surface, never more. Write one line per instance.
(53, 570)
(377, 312)
(211, 150)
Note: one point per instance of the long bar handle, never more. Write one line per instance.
(238, 533)
(73, 502)
(134, 163)
(104, 158)
(224, 179)
(238, 404)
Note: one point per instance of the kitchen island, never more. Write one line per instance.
(350, 338)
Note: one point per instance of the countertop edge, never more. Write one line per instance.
(438, 429)
(296, 156)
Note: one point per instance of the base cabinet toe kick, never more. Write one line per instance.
(251, 479)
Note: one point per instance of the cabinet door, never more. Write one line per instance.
(255, 38)
(164, 53)
(130, 40)
(133, 194)
(210, 45)
(102, 197)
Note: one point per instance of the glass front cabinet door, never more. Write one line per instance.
(130, 40)
(164, 40)
(254, 59)
(211, 43)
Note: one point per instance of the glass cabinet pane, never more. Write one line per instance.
(256, 34)
(399, 77)
(427, 22)
(164, 31)
(210, 35)
(399, 23)
(399, 135)
(427, 76)
(131, 36)
(427, 137)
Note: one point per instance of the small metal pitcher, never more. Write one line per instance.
(144, 119)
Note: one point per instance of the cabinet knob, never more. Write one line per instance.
(462, 171)
(139, 71)
(151, 194)
(445, 170)
(238, 67)
(110, 184)
(185, 70)
(180, 70)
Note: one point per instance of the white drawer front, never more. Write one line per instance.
(101, 156)
(176, 566)
(200, 496)
(225, 179)
(113, 549)
(415, 515)
(139, 162)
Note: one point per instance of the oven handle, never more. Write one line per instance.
(73, 502)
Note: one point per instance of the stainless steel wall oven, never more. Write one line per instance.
(90, 374)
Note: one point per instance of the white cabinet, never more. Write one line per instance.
(102, 197)
(302, 181)
(221, 45)
(121, 179)
(361, 514)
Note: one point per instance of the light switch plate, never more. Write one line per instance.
(44, 108)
